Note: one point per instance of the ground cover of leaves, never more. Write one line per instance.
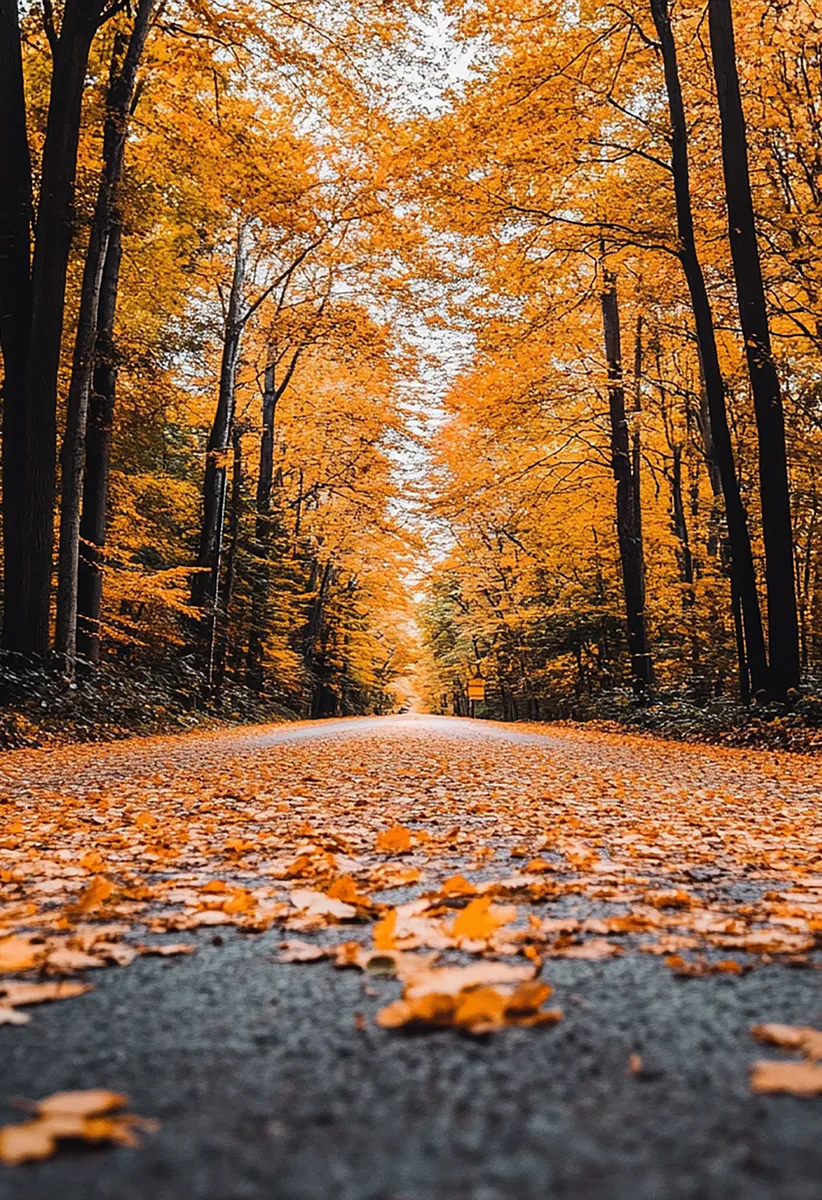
(458, 864)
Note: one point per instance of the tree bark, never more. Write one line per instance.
(53, 237)
(118, 105)
(629, 526)
(272, 392)
(16, 214)
(205, 588)
(94, 518)
(774, 486)
(739, 539)
(223, 617)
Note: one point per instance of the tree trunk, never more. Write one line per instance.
(15, 315)
(739, 539)
(94, 518)
(52, 245)
(118, 104)
(205, 586)
(774, 487)
(272, 391)
(629, 527)
(223, 617)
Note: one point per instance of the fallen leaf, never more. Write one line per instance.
(96, 894)
(396, 840)
(318, 904)
(167, 949)
(81, 1103)
(90, 1116)
(10, 1016)
(789, 1078)
(594, 950)
(21, 953)
(297, 951)
(791, 1037)
(480, 919)
(15, 993)
(450, 981)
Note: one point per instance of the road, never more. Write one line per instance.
(268, 1085)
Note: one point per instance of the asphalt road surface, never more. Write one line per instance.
(268, 1088)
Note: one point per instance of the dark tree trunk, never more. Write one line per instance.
(629, 526)
(774, 487)
(15, 315)
(205, 588)
(680, 525)
(272, 391)
(94, 519)
(312, 657)
(118, 104)
(53, 238)
(224, 615)
(739, 539)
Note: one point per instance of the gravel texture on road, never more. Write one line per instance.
(269, 1086)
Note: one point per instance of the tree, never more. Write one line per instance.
(118, 104)
(774, 486)
(753, 662)
(32, 341)
(628, 512)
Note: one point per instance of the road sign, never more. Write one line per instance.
(476, 688)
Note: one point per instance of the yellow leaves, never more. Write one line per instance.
(240, 901)
(20, 952)
(385, 931)
(89, 1116)
(669, 899)
(457, 885)
(768, 941)
(345, 888)
(451, 981)
(14, 994)
(92, 861)
(480, 920)
(396, 840)
(477, 999)
(695, 968)
(594, 950)
(318, 904)
(93, 897)
(786, 1078)
(296, 951)
(789, 1078)
(791, 1037)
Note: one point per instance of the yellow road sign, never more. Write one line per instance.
(476, 688)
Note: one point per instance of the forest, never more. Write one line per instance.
(351, 351)
(411, 607)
